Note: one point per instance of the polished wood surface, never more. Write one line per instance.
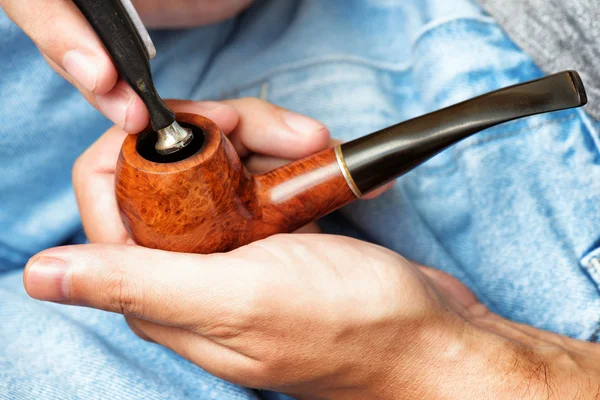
(209, 202)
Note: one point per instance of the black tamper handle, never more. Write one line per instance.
(113, 25)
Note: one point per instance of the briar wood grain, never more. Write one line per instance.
(209, 202)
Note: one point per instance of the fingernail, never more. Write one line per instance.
(47, 279)
(301, 124)
(115, 106)
(82, 67)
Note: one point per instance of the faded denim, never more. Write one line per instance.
(512, 212)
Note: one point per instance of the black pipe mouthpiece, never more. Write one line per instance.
(383, 156)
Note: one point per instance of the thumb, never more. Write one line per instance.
(166, 288)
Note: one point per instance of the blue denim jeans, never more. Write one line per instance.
(512, 212)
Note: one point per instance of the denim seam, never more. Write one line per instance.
(588, 264)
(430, 26)
(348, 59)
(315, 61)
(592, 130)
(459, 150)
(593, 273)
(264, 91)
(214, 52)
(596, 334)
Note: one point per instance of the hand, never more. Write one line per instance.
(317, 316)
(72, 48)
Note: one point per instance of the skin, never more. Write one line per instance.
(74, 51)
(311, 315)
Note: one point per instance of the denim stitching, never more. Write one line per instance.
(264, 91)
(594, 274)
(360, 61)
(438, 23)
(593, 267)
(330, 59)
(595, 335)
(590, 126)
(354, 60)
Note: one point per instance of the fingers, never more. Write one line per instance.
(264, 128)
(212, 357)
(124, 108)
(167, 288)
(121, 104)
(94, 174)
(73, 50)
(164, 296)
(224, 115)
(61, 32)
(94, 182)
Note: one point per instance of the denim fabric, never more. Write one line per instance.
(512, 212)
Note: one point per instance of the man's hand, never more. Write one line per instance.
(72, 48)
(314, 316)
(317, 316)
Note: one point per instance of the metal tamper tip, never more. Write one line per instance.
(173, 138)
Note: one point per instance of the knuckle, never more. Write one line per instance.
(121, 292)
(224, 329)
(238, 319)
(234, 322)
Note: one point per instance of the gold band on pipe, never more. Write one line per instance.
(346, 172)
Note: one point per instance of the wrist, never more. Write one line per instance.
(495, 360)
(528, 363)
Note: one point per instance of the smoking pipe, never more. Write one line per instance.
(202, 199)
